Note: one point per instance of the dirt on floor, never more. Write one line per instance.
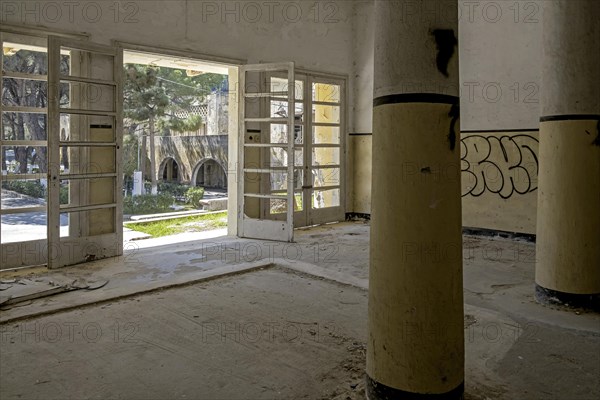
(293, 329)
(262, 335)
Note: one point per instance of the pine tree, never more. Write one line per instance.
(161, 98)
(28, 93)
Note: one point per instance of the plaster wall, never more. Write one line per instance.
(315, 35)
(499, 176)
(361, 114)
(500, 52)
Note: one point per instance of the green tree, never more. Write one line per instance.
(28, 93)
(161, 98)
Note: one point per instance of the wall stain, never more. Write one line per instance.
(596, 141)
(454, 114)
(446, 41)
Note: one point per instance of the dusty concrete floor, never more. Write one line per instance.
(286, 321)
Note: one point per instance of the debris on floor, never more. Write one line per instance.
(18, 291)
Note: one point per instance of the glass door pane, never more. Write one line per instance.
(84, 151)
(279, 108)
(326, 151)
(23, 150)
(270, 150)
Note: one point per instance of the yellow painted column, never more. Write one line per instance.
(568, 216)
(415, 345)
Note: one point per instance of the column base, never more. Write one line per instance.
(569, 300)
(379, 391)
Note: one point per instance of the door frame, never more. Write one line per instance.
(233, 65)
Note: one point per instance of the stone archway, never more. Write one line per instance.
(169, 171)
(209, 173)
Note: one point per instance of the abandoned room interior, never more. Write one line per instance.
(362, 199)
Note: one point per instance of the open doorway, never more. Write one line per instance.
(66, 159)
(175, 144)
(210, 174)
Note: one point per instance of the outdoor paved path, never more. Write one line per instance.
(25, 226)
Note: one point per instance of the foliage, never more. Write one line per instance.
(144, 96)
(159, 93)
(130, 151)
(28, 93)
(28, 188)
(158, 100)
(168, 227)
(194, 195)
(64, 195)
(35, 189)
(147, 204)
(175, 189)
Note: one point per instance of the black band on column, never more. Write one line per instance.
(570, 117)
(571, 300)
(379, 391)
(415, 98)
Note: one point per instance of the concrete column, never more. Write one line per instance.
(415, 346)
(568, 220)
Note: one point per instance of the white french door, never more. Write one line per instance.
(266, 156)
(86, 130)
(60, 139)
(318, 147)
(23, 150)
(292, 150)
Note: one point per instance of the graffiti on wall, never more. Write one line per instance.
(503, 165)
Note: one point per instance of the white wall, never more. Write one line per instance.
(362, 76)
(500, 64)
(316, 35)
(500, 68)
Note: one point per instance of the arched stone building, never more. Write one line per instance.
(193, 160)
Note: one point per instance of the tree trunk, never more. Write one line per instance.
(152, 158)
(37, 129)
(20, 151)
(3, 166)
(8, 137)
